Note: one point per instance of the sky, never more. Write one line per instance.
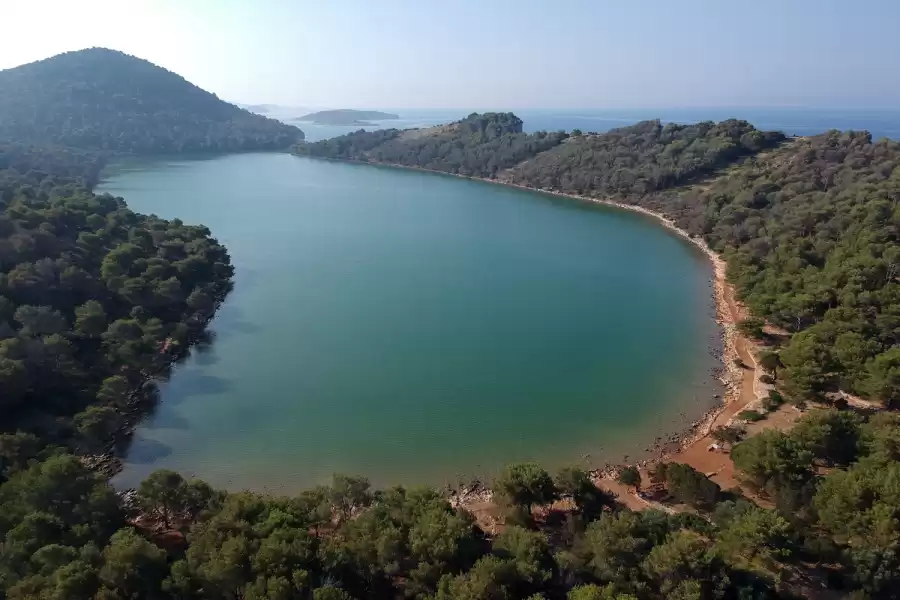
(502, 54)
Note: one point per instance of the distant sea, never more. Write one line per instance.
(792, 121)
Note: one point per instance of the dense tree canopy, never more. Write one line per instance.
(641, 158)
(65, 534)
(93, 298)
(479, 145)
(810, 232)
(103, 99)
(685, 484)
(846, 514)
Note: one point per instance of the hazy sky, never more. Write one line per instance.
(490, 53)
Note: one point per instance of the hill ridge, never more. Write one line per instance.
(104, 99)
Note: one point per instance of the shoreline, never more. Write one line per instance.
(727, 310)
(111, 462)
(673, 444)
(741, 384)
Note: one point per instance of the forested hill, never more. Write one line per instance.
(104, 99)
(637, 159)
(809, 226)
(811, 232)
(642, 158)
(479, 145)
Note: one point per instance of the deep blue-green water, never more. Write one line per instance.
(414, 327)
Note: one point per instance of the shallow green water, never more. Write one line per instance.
(415, 327)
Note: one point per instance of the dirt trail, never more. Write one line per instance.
(718, 465)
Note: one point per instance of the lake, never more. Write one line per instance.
(419, 328)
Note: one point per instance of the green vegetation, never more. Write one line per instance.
(728, 435)
(478, 146)
(105, 100)
(630, 476)
(94, 299)
(751, 416)
(525, 485)
(686, 485)
(639, 159)
(847, 515)
(589, 499)
(66, 536)
(810, 234)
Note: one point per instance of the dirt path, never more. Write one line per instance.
(718, 465)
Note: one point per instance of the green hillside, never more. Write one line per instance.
(104, 99)
(479, 145)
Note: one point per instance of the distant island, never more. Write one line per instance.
(346, 116)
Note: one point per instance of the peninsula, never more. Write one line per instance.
(346, 116)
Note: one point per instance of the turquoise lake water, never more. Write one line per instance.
(418, 328)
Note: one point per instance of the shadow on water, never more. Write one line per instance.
(144, 451)
(191, 385)
(203, 351)
(237, 327)
(232, 321)
(247, 276)
(166, 420)
(205, 359)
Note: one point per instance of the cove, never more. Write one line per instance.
(419, 328)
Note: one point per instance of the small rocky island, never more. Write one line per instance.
(346, 116)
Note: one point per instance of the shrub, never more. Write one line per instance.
(751, 327)
(630, 476)
(728, 435)
(690, 486)
(751, 416)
